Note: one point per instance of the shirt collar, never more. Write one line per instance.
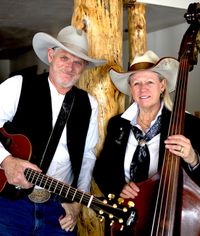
(131, 113)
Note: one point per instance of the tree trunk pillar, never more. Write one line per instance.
(136, 28)
(103, 22)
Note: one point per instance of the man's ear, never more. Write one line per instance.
(50, 53)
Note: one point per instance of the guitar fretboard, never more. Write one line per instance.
(73, 194)
(58, 187)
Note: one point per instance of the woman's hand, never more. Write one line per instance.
(69, 221)
(181, 146)
(130, 190)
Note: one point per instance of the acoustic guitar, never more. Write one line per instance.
(121, 213)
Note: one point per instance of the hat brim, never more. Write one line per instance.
(42, 41)
(167, 67)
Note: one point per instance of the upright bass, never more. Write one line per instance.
(177, 209)
(169, 202)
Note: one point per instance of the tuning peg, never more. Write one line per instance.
(130, 204)
(101, 218)
(121, 220)
(101, 212)
(105, 201)
(120, 200)
(111, 196)
(122, 228)
(112, 222)
(111, 216)
(125, 209)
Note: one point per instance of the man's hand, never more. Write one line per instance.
(69, 221)
(14, 171)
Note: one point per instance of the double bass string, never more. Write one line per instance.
(167, 193)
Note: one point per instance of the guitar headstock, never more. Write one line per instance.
(118, 211)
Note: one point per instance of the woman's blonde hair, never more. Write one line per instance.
(165, 95)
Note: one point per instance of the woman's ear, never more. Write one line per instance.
(163, 85)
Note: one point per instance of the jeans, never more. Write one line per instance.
(23, 217)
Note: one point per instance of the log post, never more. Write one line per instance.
(136, 28)
(103, 22)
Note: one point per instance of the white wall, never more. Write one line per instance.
(167, 42)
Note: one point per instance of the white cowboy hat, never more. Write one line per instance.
(166, 66)
(70, 39)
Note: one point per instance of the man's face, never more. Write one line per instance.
(65, 69)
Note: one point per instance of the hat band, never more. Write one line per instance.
(141, 66)
(74, 47)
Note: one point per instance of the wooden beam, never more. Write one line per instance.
(103, 22)
(136, 28)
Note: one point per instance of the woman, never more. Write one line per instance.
(141, 131)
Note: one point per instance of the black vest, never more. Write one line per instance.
(33, 118)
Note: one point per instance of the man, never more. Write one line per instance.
(30, 106)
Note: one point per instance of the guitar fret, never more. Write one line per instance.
(60, 193)
(40, 182)
(33, 177)
(46, 181)
(74, 195)
(30, 176)
(27, 175)
(90, 201)
(67, 192)
(81, 198)
(37, 177)
(54, 184)
(50, 184)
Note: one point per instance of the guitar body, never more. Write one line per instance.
(19, 146)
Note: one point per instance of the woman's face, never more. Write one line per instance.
(146, 88)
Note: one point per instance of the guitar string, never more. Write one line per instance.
(44, 180)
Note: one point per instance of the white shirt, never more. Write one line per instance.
(60, 167)
(153, 145)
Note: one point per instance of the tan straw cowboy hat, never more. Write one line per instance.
(166, 66)
(70, 39)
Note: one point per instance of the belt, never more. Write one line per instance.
(39, 195)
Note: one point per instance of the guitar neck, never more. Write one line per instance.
(58, 187)
(122, 215)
